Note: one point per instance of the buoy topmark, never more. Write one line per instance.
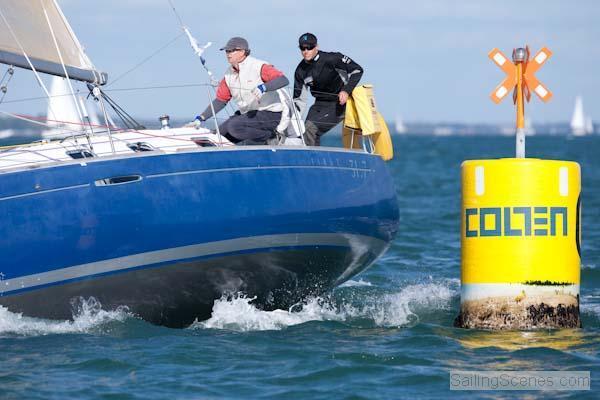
(520, 76)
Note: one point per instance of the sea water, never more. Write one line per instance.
(386, 333)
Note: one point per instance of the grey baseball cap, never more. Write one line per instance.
(236, 43)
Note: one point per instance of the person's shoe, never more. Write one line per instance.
(273, 141)
(276, 139)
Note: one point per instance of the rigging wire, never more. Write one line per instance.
(176, 13)
(199, 50)
(133, 124)
(157, 87)
(145, 59)
(127, 119)
(26, 99)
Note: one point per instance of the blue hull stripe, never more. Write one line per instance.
(17, 196)
(285, 167)
(172, 255)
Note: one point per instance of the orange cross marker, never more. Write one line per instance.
(520, 77)
(529, 69)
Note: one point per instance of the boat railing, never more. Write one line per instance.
(101, 140)
(66, 144)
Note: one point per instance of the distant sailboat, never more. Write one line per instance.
(400, 127)
(589, 125)
(580, 126)
(529, 129)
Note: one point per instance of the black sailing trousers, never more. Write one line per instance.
(322, 117)
(254, 127)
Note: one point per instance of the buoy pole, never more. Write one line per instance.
(518, 58)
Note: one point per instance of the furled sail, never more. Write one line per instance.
(27, 32)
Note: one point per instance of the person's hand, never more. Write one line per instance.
(259, 91)
(343, 97)
(197, 122)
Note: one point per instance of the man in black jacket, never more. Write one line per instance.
(330, 77)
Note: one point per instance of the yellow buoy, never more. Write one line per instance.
(520, 244)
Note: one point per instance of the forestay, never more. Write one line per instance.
(27, 32)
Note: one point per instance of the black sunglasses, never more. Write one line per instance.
(303, 48)
(231, 50)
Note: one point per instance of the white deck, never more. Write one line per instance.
(53, 151)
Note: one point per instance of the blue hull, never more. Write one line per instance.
(167, 234)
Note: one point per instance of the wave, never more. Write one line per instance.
(593, 309)
(88, 315)
(357, 283)
(398, 309)
(590, 304)
(355, 303)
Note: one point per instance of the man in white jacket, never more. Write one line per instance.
(253, 85)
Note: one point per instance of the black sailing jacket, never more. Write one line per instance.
(326, 75)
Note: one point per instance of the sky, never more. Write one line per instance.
(427, 59)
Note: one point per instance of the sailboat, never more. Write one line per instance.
(580, 125)
(166, 221)
(529, 129)
(589, 125)
(399, 125)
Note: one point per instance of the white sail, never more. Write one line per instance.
(27, 32)
(578, 127)
(589, 125)
(400, 127)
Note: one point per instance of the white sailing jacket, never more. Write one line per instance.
(242, 83)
